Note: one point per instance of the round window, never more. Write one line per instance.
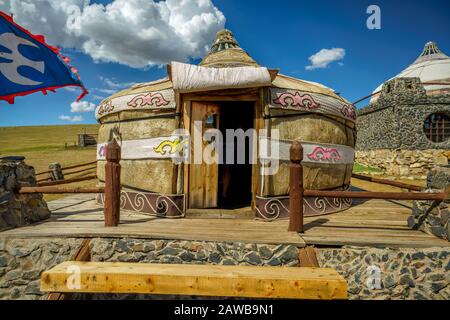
(437, 127)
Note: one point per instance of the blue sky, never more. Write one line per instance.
(277, 34)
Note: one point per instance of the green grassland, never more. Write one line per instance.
(42, 145)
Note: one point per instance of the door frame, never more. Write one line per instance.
(250, 95)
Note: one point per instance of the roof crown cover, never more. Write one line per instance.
(430, 52)
(226, 52)
(432, 65)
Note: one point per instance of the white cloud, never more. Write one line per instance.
(82, 106)
(324, 57)
(114, 84)
(71, 118)
(97, 97)
(107, 91)
(137, 33)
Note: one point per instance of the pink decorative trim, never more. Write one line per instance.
(296, 100)
(322, 154)
(348, 111)
(149, 99)
(102, 152)
(105, 108)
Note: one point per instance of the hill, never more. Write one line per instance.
(41, 145)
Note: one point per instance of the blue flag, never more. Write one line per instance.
(28, 64)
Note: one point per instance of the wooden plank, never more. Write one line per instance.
(83, 253)
(66, 181)
(203, 178)
(202, 280)
(307, 257)
(60, 190)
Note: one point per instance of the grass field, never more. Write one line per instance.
(42, 145)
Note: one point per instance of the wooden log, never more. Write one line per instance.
(60, 190)
(202, 280)
(70, 167)
(388, 182)
(296, 188)
(82, 170)
(112, 185)
(375, 195)
(79, 165)
(66, 181)
(43, 172)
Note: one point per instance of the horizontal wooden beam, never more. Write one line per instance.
(66, 181)
(79, 165)
(60, 190)
(388, 182)
(376, 195)
(202, 280)
(81, 170)
(70, 167)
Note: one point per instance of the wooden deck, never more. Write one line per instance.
(368, 223)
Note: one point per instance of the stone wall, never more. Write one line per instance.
(404, 273)
(196, 252)
(23, 260)
(395, 120)
(19, 209)
(419, 274)
(428, 216)
(403, 163)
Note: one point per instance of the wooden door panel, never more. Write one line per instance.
(203, 178)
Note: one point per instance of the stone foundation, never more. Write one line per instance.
(413, 164)
(400, 274)
(196, 252)
(23, 260)
(428, 216)
(19, 209)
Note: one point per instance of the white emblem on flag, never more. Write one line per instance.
(9, 68)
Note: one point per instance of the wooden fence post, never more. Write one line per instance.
(112, 185)
(55, 172)
(296, 188)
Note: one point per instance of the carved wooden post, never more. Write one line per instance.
(296, 188)
(112, 185)
(56, 173)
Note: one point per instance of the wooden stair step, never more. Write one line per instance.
(202, 280)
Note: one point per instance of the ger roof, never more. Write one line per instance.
(225, 52)
(432, 65)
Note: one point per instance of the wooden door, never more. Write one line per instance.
(203, 178)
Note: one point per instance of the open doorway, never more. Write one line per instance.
(235, 179)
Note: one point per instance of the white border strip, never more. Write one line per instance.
(153, 148)
(312, 152)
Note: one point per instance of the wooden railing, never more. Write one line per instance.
(297, 192)
(111, 207)
(62, 172)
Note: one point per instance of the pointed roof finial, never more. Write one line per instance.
(430, 52)
(226, 52)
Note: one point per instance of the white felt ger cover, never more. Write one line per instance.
(192, 78)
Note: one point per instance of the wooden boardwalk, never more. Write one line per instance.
(368, 223)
